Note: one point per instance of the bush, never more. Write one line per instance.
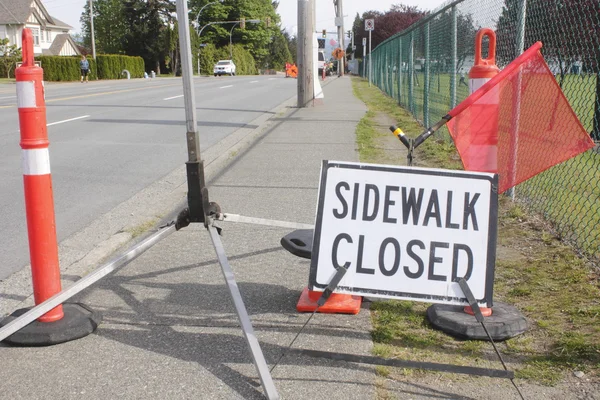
(61, 68)
(106, 66)
(243, 60)
(111, 66)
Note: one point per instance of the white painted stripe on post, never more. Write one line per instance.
(26, 94)
(35, 161)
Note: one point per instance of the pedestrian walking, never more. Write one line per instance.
(84, 66)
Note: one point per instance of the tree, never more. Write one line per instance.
(387, 24)
(569, 30)
(292, 43)
(109, 26)
(279, 52)
(9, 55)
(147, 21)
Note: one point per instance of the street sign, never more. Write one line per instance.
(364, 41)
(369, 24)
(405, 233)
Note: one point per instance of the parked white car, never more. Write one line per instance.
(224, 67)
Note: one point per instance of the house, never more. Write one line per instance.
(50, 35)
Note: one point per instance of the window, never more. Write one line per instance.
(48, 36)
(36, 36)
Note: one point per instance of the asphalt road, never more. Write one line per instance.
(111, 139)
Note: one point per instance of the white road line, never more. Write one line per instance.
(68, 120)
(9, 97)
(253, 81)
(225, 87)
(272, 79)
(98, 87)
(174, 97)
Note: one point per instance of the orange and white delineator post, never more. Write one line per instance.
(39, 203)
(482, 155)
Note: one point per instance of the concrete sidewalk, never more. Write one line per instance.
(170, 330)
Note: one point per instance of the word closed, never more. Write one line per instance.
(407, 233)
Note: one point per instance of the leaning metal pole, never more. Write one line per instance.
(194, 165)
(198, 205)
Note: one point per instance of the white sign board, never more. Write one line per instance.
(364, 41)
(369, 24)
(405, 232)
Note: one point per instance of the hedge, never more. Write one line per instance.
(111, 66)
(243, 60)
(62, 68)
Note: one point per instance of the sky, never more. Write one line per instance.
(69, 11)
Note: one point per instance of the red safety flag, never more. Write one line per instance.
(518, 124)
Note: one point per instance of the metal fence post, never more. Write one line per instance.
(411, 71)
(521, 16)
(399, 70)
(454, 58)
(427, 78)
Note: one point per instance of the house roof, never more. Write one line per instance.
(14, 11)
(18, 11)
(58, 44)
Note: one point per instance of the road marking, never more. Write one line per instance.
(174, 97)
(225, 87)
(99, 94)
(68, 120)
(9, 97)
(253, 81)
(96, 88)
(272, 79)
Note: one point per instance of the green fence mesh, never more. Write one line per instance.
(425, 68)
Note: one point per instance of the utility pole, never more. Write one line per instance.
(305, 57)
(339, 22)
(92, 30)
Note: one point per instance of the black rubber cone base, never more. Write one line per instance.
(79, 321)
(505, 322)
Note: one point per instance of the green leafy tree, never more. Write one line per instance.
(292, 43)
(109, 26)
(147, 22)
(279, 52)
(9, 56)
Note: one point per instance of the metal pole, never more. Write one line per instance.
(400, 71)
(230, 41)
(411, 71)
(364, 61)
(92, 30)
(370, 61)
(517, 90)
(85, 282)
(453, 71)
(257, 355)
(427, 77)
(194, 165)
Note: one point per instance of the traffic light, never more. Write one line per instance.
(324, 33)
(243, 23)
(268, 22)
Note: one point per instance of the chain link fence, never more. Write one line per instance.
(425, 68)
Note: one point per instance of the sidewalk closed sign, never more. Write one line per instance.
(406, 233)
